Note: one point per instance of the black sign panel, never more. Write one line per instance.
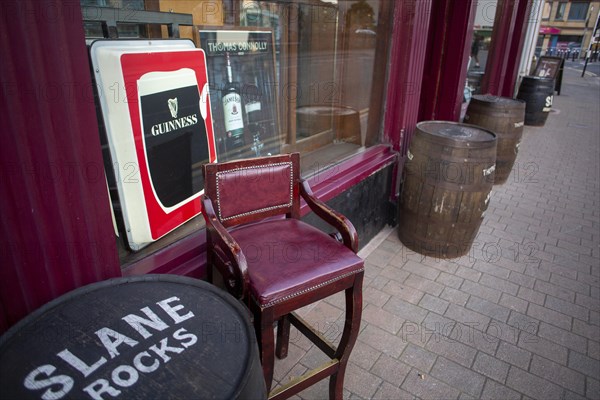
(176, 143)
(151, 337)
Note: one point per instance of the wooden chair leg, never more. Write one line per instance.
(283, 337)
(263, 326)
(351, 329)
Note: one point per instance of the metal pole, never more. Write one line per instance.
(588, 52)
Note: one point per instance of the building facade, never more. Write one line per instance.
(376, 67)
(567, 27)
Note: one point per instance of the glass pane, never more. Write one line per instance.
(560, 11)
(325, 57)
(578, 11)
(480, 45)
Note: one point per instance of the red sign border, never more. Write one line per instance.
(134, 66)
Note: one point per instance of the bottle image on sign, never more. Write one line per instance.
(232, 111)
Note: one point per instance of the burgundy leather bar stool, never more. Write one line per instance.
(279, 264)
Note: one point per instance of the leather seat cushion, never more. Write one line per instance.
(288, 257)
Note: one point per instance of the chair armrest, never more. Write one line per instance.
(332, 217)
(226, 248)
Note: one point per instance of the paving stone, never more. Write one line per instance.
(593, 349)
(495, 391)
(452, 350)
(558, 374)
(531, 385)
(488, 308)
(589, 331)
(424, 285)
(500, 331)
(394, 273)
(454, 296)
(584, 364)
(374, 296)
(283, 367)
(434, 304)
(382, 319)
(405, 310)
(544, 348)
(531, 296)
(592, 389)
(419, 358)
(388, 391)
(429, 387)
(475, 338)
(492, 269)
(415, 333)
(514, 303)
(523, 322)
(514, 355)
(491, 367)
(554, 290)
(562, 337)
(537, 273)
(380, 257)
(390, 370)
(587, 302)
(567, 308)
(500, 284)
(478, 290)
(468, 273)
(402, 291)
(570, 284)
(382, 341)
(545, 314)
(449, 280)
(467, 317)
(364, 355)
(421, 270)
(521, 279)
(458, 376)
(359, 381)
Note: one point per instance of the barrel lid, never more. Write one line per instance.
(537, 78)
(456, 131)
(326, 110)
(497, 100)
(153, 336)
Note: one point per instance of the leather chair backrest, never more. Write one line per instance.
(243, 191)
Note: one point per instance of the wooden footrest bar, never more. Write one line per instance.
(303, 381)
(313, 335)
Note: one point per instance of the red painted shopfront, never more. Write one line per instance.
(57, 227)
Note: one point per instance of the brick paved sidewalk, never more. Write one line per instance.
(518, 317)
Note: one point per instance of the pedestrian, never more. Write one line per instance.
(475, 49)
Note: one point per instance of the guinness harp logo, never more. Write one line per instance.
(173, 107)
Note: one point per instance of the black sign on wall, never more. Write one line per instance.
(175, 140)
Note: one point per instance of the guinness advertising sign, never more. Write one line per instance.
(174, 134)
(155, 103)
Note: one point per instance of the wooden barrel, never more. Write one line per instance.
(343, 121)
(146, 337)
(505, 117)
(538, 94)
(449, 175)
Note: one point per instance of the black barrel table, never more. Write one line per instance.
(147, 337)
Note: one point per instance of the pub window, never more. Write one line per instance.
(324, 65)
(560, 11)
(578, 11)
